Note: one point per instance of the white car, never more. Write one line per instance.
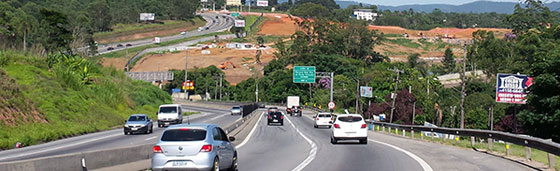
(349, 127)
(323, 119)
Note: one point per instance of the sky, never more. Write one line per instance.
(409, 2)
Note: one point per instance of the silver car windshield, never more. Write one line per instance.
(184, 134)
(137, 118)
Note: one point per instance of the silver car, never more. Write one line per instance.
(236, 110)
(194, 147)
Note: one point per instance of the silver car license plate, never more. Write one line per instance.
(180, 163)
(134, 129)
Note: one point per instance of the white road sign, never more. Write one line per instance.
(147, 16)
(331, 105)
(366, 91)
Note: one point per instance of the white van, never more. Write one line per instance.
(169, 114)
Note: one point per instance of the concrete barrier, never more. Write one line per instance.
(92, 159)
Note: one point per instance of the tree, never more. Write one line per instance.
(311, 10)
(98, 12)
(56, 34)
(330, 4)
(449, 61)
(534, 15)
(404, 105)
(413, 60)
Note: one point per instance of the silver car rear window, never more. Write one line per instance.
(184, 134)
(349, 119)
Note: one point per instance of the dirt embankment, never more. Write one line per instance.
(242, 59)
(14, 107)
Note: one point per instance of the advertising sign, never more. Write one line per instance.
(147, 16)
(511, 88)
(203, 0)
(262, 3)
(239, 23)
(188, 85)
(233, 2)
(235, 14)
(304, 74)
(366, 91)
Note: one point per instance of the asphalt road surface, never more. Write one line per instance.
(113, 138)
(214, 25)
(299, 146)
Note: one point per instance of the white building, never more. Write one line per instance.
(233, 2)
(365, 14)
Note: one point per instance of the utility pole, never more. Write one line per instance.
(221, 77)
(257, 92)
(394, 96)
(357, 95)
(249, 6)
(413, 112)
(216, 91)
(453, 114)
(463, 87)
(332, 84)
(186, 72)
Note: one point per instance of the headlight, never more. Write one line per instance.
(126, 126)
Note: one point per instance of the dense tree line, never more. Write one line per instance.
(66, 25)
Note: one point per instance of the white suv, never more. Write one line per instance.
(349, 127)
(323, 119)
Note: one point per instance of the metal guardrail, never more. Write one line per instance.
(248, 112)
(523, 140)
(256, 21)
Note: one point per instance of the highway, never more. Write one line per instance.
(295, 146)
(299, 146)
(222, 23)
(113, 138)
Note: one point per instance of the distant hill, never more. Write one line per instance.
(473, 7)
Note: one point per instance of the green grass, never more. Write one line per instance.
(393, 35)
(465, 142)
(121, 30)
(135, 50)
(404, 42)
(66, 106)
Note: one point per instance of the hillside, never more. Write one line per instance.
(48, 98)
(473, 7)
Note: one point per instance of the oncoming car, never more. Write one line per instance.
(138, 123)
(194, 147)
(349, 127)
(236, 110)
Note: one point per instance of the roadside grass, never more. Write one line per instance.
(135, 50)
(68, 106)
(392, 35)
(404, 42)
(121, 30)
(497, 146)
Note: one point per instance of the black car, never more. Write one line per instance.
(261, 105)
(296, 110)
(110, 48)
(119, 45)
(275, 117)
(138, 123)
(127, 45)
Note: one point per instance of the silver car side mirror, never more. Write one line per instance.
(231, 139)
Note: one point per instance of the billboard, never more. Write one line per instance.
(239, 23)
(147, 16)
(203, 0)
(366, 91)
(262, 3)
(511, 88)
(233, 2)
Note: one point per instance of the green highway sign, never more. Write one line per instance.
(235, 14)
(304, 74)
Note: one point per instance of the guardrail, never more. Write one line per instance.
(523, 140)
(256, 21)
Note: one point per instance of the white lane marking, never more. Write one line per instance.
(59, 147)
(250, 133)
(312, 153)
(150, 138)
(422, 163)
(214, 118)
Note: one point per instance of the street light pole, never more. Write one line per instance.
(463, 87)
